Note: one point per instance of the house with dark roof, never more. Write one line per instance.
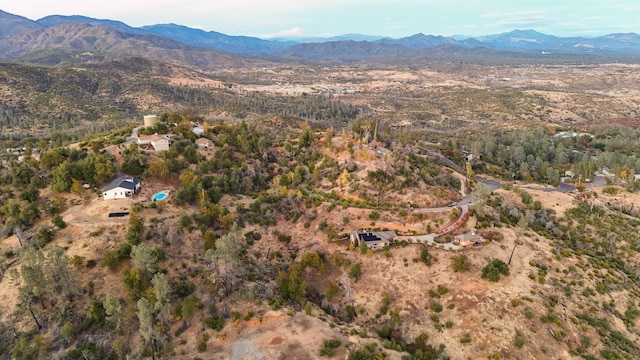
(373, 240)
(122, 187)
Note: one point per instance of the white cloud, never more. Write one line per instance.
(289, 33)
(296, 31)
(529, 18)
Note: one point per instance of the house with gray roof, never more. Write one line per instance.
(122, 187)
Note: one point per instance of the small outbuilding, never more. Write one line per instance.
(121, 188)
(204, 143)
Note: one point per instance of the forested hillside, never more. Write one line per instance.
(89, 97)
(447, 210)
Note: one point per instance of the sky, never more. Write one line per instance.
(324, 18)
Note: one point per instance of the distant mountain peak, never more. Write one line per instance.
(11, 24)
(517, 35)
(528, 32)
(19, 35)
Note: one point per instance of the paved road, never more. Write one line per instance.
(466, 201)
(597, 181)
(134, 132)
(134, 135)
(444, 159)
(429, 240)
(428, 210)
(492, 185)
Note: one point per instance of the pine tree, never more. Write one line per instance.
(113, 309)
(144, 258)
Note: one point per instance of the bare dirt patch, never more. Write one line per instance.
(195, 81)
(557, 201)
(276, 337)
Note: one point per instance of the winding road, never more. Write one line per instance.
(466, 201)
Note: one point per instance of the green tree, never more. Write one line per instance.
(44, 234)
(292, 286)
(426, 257)
(20, 212)
(209, 240)
(136, 282)
(34, 272)
(50, 159)
(30, 194)
(76, 187)
(62, 277)
(225, 270)
(96, 145)
(460, 263)
(144, 258)
(113, 310)
(331, 291)
(134, 165)
(135, 230)
(313, 260)
(57, 221)
(553, 176)
(306, 138)
(362, 246)
(104, 170)
(162, 292)
(189, 307)
(61, 177)
(21, 175)
(356, 271)
(494, 269)
(469, 170)
(147, 329)
(158, 168)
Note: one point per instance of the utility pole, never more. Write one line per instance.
(512, 251)
(375, 132)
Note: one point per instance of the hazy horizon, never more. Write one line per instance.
(400, 18)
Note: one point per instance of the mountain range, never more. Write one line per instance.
(62, 39)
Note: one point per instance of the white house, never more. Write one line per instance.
(197, 129)
(120, 188)
(159, 142)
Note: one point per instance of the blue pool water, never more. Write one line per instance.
(160, 196)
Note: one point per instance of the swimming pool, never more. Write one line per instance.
(160, 196)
